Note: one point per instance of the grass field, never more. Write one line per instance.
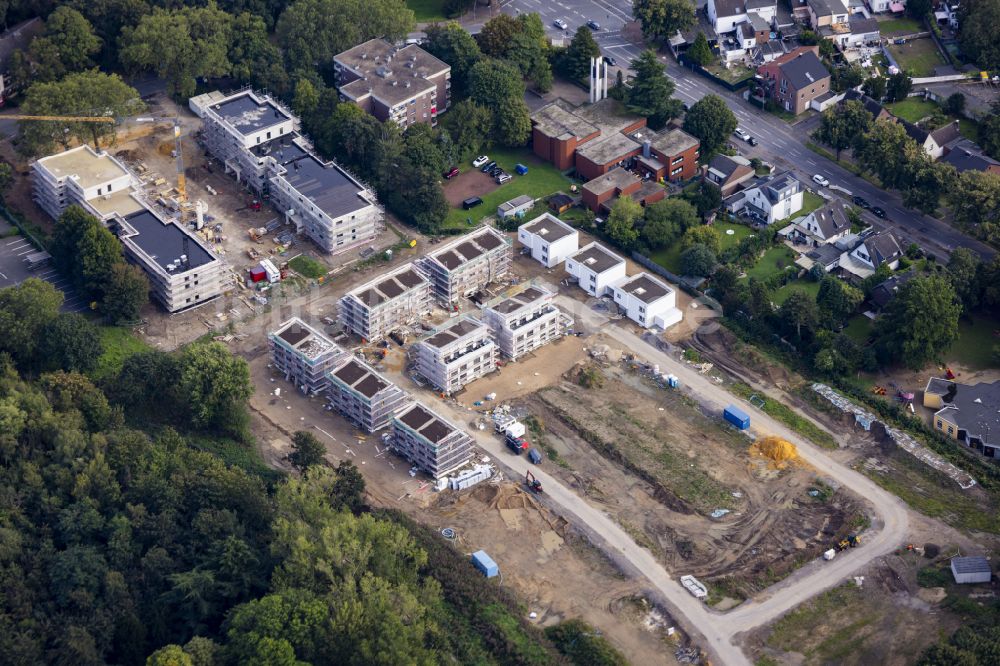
(734, 74)
(918, 57)
(782, 412)
(670, 258)
(900, 26)
(119, 343)
(810, 202)
(912, 108)
(773, 262)
(974, 347)
(859, 329)
(807, 287)
(307, 267)
(426, 11)
(541, 180)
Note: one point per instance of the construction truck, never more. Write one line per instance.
(516, 444)
(534, 485)
(851, 541)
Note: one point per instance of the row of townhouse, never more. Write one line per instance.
(183, 272)
(257, 140)
(317, 365)
(600, 272)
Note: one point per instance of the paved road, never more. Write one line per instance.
(716, 630)
(780, 143)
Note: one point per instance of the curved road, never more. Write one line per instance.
(717, 630)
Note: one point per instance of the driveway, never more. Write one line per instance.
(715, 630)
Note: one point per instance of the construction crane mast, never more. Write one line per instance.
(65, 119)
(179, 157)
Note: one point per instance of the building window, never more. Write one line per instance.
(940, 425)
(951, 430)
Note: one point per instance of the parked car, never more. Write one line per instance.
(611, 61)
(503, 177)
(495, 171)
(862, 203)
(878, 212)
(821, 180)
(471, 202)
(480, 161)
(451, 173)
(752, 141)
(741, 133)
(559, 23)
(486, 167)
(593, 25)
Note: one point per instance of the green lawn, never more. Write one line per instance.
(900, 26)
(969, 129)
(670, 258)
(974, 347)
(541, 180)
(308, 267)
(427, 11)
(807, 287)
(912, 108)
(859, 329)
(918, 57)
(734, 74)
(810, 202)
(773, 262)
(119, 343)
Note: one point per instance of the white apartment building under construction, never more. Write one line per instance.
(388, 302)
(304, 355)
(257, 140)
(364, 397)
(183, 272)
(524, 322)
(432, 444)
(467, 264)
(456, 354)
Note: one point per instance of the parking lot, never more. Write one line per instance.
(14, 270)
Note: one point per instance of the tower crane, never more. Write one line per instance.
(67, 119)
(181, 180)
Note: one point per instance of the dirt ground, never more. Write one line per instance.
(528, 541)
(470, 183)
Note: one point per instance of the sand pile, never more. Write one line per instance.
(777, 450)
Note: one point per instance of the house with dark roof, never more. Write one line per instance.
(877, 249)
(964, 155)
(884, 292)
(776, 197)
(795, 79)
(830, 14)
(727, 173)
(968, 413)
(933, 142)
(824, 225)
(878, 111)
(864, 31)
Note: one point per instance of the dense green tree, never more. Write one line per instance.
(254, 59)
(845, 78)
(989, 131)
(711, 122)
(468, 125)
(98, 251)
(650, 94)
(67, 45)
(881, 151)
(874, 87)
(927, 182)
(583, 645)
(965, 274)
(919, 323)
(497, 35)
(307, 451)
(211, 381)
(704, 235)
(170, 655)
(620, 226)
(706, 198)
(180, 45)
(979, 22)
(662, 19)
(700, 52)
(837, 300)
(79, 94)
(919, 9)
(955, 104)
(453, 44)
(897, 87)
(306, 98)
(975, 203)
(124, 294)
(576, 59)
(354, 138)
(842, 125)
(6, 176)
(529, 51)
(513, 124)
(698, 260)
(69, 342)
(497, 85)
(799, 315)
(25, 311)
(69, 230)
(666, 220)
(311, 36)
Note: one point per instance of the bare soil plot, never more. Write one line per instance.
(470, 183)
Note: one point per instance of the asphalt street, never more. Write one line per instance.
(716, 630)
(780, 143)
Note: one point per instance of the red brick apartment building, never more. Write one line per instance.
(795, 79)
(406, 85)
(600, 194)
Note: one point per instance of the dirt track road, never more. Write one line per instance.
(716, 629)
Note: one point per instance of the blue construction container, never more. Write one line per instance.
(535, 456)
(485, 563)
(736, 416)
(521, 169)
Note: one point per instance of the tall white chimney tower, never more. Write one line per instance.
(598, 79)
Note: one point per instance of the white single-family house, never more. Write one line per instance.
(647, 301)
(596, 268)
(549, 239)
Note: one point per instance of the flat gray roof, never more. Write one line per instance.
(607, 150)
(557, 121)
(248, 115)
(390, 73)
(326, 185)
(89, 168)
(548, 227)
(305, 339)
(617, 178)
(674, 142)
(645, 287)
(165, 242)
(973, 564)
(597, 258)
